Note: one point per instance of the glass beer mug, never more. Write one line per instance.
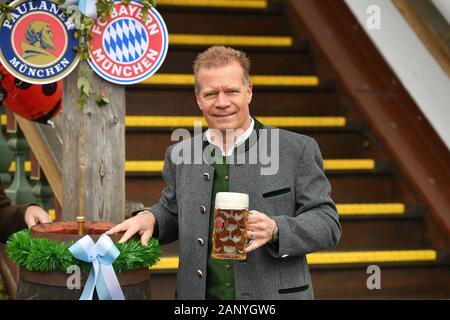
(230, 224)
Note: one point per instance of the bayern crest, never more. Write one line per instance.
(37, 43)
(125, 49)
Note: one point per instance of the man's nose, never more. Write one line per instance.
(222, 100)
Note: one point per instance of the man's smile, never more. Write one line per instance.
(224, 115)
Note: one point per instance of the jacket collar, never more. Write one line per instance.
(249, 142)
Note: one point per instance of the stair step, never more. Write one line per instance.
(418, 280)
(385, 229)
(352, 209)
(340, 275)
(237, 4)
(257, 80)
(145, 143)
(226, 20)
(349, 209)
(373, 231)
(378, 230)
(230, 40)
(188, 122)
(155, 167)
(286, 56)
(180, 101)
(292, 61)
(341, 258)
(145, 187)
(279, 121)
(346, 188)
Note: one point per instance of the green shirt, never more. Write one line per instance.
(220, 273)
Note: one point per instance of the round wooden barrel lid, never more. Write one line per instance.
(67, 231)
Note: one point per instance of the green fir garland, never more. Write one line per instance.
(44, 255)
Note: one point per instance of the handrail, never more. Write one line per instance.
(366, 77)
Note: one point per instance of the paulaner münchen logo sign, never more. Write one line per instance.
(37, 44)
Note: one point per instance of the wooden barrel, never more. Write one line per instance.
(53, 285)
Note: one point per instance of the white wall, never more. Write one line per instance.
(420, 74)
(444, 7)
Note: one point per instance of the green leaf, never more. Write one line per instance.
(6, 10)
(102, 100)
(84, 85)
(82, 100)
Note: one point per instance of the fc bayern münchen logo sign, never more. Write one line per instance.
(125, 49)
(37, 44)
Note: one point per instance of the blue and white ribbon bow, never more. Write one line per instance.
(102, 276)
(86, 7)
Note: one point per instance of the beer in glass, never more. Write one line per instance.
(230, 223)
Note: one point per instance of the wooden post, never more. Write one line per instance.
(93, 152)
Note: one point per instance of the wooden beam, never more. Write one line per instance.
(93, 152)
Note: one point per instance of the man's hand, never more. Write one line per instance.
(260, 228)
(142, 224)
(35, 215)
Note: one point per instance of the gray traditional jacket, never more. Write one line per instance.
(297, 197)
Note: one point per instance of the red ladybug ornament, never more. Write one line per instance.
(34, 102)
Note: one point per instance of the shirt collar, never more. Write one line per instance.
(241, 139)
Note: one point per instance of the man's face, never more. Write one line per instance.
(224, 98)
(47, 37)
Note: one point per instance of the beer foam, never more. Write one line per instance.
(231, 201)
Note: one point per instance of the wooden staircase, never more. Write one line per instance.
(384, 220)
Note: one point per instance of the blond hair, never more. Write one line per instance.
(220, 56)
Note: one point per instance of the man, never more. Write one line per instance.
(39, 39)
(16, 218)
(292, 212)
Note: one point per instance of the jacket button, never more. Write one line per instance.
(201, 241)
(199, 273)
(227, 178)
(285, 256)
(228, 267)
(202, 209)
(206, 176)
